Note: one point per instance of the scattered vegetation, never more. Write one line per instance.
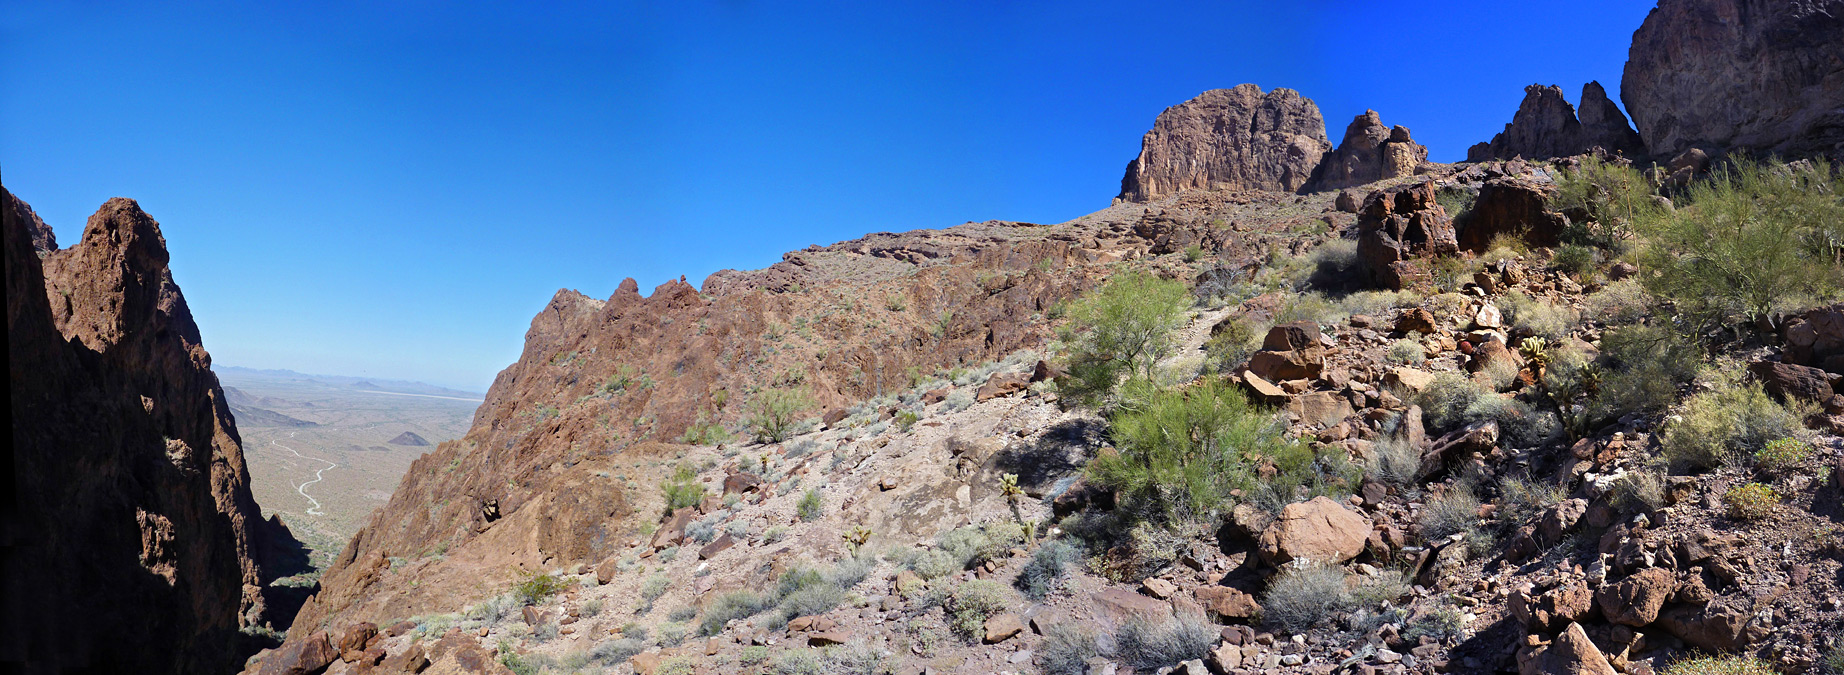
(1784, 454)
(772, 413)
(1067, 648)
(682, 489)
(1407, 351)
(1304, 594)
(1720, 665)
(1149, 646)
(1750, 501)
(534, 589)
(1044, 573)
(1729, 421)
(811, 506)
(1123, 327)
(971, 604)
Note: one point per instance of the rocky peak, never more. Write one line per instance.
(1604, 126)
(1239, 138)
(1762, 75)
(1370, 152)
(135, 510)
(1546, 126)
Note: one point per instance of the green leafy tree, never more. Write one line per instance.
(1123, 327)
(772, 415)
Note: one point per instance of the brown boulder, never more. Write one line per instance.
(741, 483)
(1787, 379)
(1290, 352)
(301, 657)
(1572, 653)
(1321, 408)
(1043, 371)
(718, 545)
(1227, 603)
(1263, 390)
(1416, 320)
(833, 417)
(1320, 529)
(1121, 606)
(1002, 627)
(1559, 520)
(827, 638)
(1711, 627)
(1517, 207)
(1002, 384)
(356, 636)
(673, 530)
(1397, 226)
(1237, 138)
(1552, 609)
(410, 660)
(1635, 600)
(1476, 437)
(1348, 201)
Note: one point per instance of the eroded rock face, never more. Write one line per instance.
(141, 548)
(1370, 152)
(1761, 75)
(1397, 226)
(1547, 126)
(1238, 138)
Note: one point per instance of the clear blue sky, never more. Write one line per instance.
(393, 188)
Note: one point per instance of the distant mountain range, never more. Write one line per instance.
(359, 383)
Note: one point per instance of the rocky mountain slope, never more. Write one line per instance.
(133, 543)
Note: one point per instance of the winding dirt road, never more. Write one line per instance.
(318, 476)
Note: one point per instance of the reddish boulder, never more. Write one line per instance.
(1572, 653)
(1320, 529)
(356, 636)
(303, 657)
(1002, 384)
(1397, 226)
(1787, 379)
(1635, 600)
(1517, 207)
(1290, 352)
(1228, 603)
(719, 545)
(1552, 609)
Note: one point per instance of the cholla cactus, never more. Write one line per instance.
(857, 536)
(1536, 351)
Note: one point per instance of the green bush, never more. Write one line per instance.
(1231, 345)
(1750, 501)
(1644, 365)
(536, 588)
(682, 490)
(1574, 259)
(1521, 500)
(1535, 316)
(1616, 199)
(1182, 452)
(1453, 400)
(1194, 253)
(1066, 649)
(739, 604)
(772, 413)
(1732, 420)
(705, 432)
(1045, 571)
(1149, 646)
(1784, 454)
(811, 506)
(1407, 351)
(1123, 327)
(617, 651)
(971, 604)
(1720, 665)
(1642, 488)
(1753, 239)
(906, 419)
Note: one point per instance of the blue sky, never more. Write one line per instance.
(393, 188)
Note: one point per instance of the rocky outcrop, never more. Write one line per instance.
(135, 545)
(1759, 75)
(1546, 126)
(1370, 152)
(1512, 206)
(1238, 138)
(1398, 225)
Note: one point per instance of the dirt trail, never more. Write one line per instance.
(319, 475)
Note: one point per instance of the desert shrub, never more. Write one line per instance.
(775, 534)
(536, 588)
(1727, 422)
(1574, 259)
(1754, 239)
(1302, 595)
(1640, 488)
(739, 604)
(495, 609)
(1182, 452)
(1149, 646)
(971, 604)
(1643, 367)
(704, 530)
(811, 506)
(1783, 454)
(682, 489)
(617, 651)
(1311, 307)
(773, 413)
(1455, 511)
(1750, 501)
(851, 571)
(906, 419)
(1615, 198)
(1407, 351)
(797, 662)
(810, 601)
(1375, 303)
(1393, 461)
(1442, 623)
(653, 587)
(1520, 500)
(857, 659)
(1456, 201)
(1067, 648)
(957, 401)
(1619, 303)
(1231, 344)
(1535, 316)
(705, 432)
(1194, 253)
(1453, 400)
(1720, 665)
(682, 614)
(1123, 327)
(1045, 571)
(752, 655)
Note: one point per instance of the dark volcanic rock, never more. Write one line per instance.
(1370, 152)
(1604, 126)
(1398, 225)
(1547, 126)
(1235, 138)
(136, 545)
(1761, 75)
(410, 439)
(1512, 206)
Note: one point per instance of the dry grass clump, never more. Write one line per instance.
(1150, 646)
(1527, 314)
(1720, 665)
(1729, 421)
(1305, 594)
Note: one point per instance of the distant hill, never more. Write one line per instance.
(261, 417)
(346, 381)
(408, 438)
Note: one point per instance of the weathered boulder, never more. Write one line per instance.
(1320, 408)
(1122, 605)
(1559, 520)
(1369, 152)
(1516, 207)
(1238, 138)
(1290, 352)
(1320, 529)
(1712, 627)
(1552, 609)
(1816, 338)
(1571, 653)
(1635, 600)
(1761, 75)
(301, 657)
(1397, 225)
(1003, 627)
(1228, 604)
(1787, 379)
(356, 636)
(1002, 384)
